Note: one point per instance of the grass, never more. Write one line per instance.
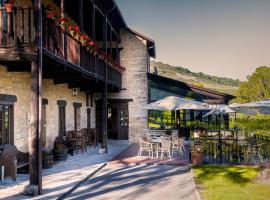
(220, 182)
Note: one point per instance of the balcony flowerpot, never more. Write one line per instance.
(9, 7)
(197, 158)
(197, 155)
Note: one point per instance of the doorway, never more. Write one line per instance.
(118, 119)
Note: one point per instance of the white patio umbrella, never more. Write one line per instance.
(176, 103)
(252, 108)
(220, 110)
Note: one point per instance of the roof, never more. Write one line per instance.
(120, 14)
(204, 91)
(149, 42)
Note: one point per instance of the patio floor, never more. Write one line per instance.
(138, 182)
(64, 175)
(129, 156)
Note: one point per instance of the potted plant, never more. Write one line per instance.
(47, 158)
(9, 5)
(60, 152)
(197, 155)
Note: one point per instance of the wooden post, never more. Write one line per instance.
(178, 123)
(93, 13)
(9, 28)
(35, 127)
(1, 26)
(105, 89)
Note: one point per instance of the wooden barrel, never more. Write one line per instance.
(47, 162)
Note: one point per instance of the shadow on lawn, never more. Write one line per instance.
(235, 174)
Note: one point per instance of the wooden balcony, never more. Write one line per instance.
(17, 44)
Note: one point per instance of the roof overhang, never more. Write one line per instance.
(207, 92)
(150, 43)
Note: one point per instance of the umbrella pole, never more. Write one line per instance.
(219, 138)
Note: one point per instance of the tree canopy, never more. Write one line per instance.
(257, 86)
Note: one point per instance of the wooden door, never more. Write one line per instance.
(113, 121)
(123, 124)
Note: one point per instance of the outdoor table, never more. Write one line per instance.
(155, 142)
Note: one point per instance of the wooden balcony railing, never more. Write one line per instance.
(17, 30)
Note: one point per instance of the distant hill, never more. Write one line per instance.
(221, 84)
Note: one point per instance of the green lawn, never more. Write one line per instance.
(219, 182)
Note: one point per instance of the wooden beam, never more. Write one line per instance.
(26, 53)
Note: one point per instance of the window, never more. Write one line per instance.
(62, 117)
(6, 124)
(77, 116)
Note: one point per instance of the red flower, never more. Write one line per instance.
(63, 20)
(77, 29)
(85, 37)
(52, 15)
(91, 43)
(70, 27)
(9, 1)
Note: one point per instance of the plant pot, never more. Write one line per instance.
(47, 161)
(197, 158)
(60, 155)
(9, 7)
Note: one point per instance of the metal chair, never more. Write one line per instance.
(145, 147)
(165, 148)
(177, 146)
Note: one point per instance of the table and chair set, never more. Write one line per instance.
(231, 148)
(79, 140)
(160, 145)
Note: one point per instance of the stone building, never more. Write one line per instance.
(76, 82)
(101, 85)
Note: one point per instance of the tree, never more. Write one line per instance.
(257, 86)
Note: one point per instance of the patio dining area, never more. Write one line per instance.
(156, 147)
(232, 146)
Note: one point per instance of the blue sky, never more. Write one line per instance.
(220, 37)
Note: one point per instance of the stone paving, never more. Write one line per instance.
(138, 182)
(64, 175)
(129, 156)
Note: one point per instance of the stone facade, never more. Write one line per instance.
(135, 58)
(19, 84)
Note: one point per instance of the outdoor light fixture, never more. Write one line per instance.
(74, 92)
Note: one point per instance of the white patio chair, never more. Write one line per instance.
(145, 147)
(165, 148)
(177, 146)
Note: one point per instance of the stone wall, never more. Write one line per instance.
(135, 58)
(18, 83)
